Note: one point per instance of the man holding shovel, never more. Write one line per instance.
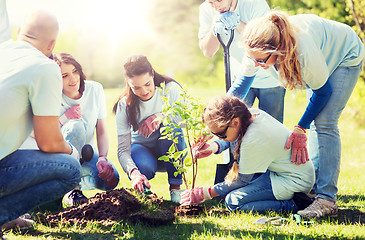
(218, 17)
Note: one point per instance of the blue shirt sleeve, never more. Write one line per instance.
(240, 87)
(316, 103)
(223, 145)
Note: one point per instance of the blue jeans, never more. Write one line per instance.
(258, 196)
(145, 158)
(271, 100)
(29, 178)
(75, 133)
(324, 137)
(89, 176)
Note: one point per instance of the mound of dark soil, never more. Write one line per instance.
(113, 206)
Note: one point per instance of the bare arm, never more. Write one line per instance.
(209, 44)
(102, 137)
(48, 135)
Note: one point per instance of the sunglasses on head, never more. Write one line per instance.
(222, 135)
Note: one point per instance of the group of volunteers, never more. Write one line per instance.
(51, 115)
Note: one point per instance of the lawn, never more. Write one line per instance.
(235, 225)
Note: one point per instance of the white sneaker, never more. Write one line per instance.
(175, 195)
(320, 208)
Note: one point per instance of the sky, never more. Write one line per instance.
(113, 17)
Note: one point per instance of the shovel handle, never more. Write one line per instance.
(226, 46)
(226, 58)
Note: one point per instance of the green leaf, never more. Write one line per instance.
(172, 148)
(164, 158)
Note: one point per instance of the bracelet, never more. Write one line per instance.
(133, 171)
(297, 126)
(102, 156)
(72, 149)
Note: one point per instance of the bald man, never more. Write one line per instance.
(30, 98)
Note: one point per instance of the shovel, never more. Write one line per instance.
(222, 169)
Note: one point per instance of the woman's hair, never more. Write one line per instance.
(220, 111)
(66, 58)
(137, 65)
(275, 35)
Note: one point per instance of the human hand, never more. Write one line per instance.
(195, 196)
(74, 112)
(149, 125)
(298, 142)
(224, 22)
(230, 19)
(138, 180)
(106, 171)
(201, 148)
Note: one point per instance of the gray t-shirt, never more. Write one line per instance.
(262, 149)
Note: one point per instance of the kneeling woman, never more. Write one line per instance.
(262, 177)
(139, 143)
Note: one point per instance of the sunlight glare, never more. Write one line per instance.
(118, 18)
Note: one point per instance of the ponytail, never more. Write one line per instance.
(233, 173)
(276, 35)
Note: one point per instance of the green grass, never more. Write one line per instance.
(233, 226)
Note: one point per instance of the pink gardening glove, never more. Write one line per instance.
(203, 151)
(194, 196)
(149, 125)
(106, 171)
(138, 180)
(201, 148)
(298, 143)
(74, 112)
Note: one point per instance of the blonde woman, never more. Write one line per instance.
(324, 56)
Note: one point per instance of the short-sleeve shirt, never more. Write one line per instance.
(262, 149)
(30, 84)
(248, 10)
(146, 109)
(92, 104)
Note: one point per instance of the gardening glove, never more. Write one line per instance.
(150, 125)
(195, 196)
(73, 113)
(205, 151)
(138, 180)
(200, 148)
(230, 19)
(298, 142)
(106, 171)
(224, 22)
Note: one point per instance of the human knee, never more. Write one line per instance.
(148, 171)
(73, 170)
(75, 133)
(231, 202)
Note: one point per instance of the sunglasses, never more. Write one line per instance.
(221, 135)
(261, 61)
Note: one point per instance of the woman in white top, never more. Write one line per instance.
(262, 178)
(139, 143)
(324, 56)
(83, 113)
